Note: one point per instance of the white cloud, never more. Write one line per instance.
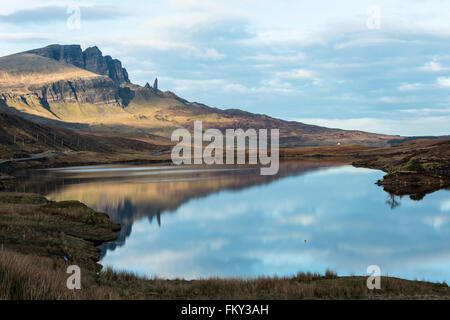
(282, 37)
(364, 42)
(433, 66)
(26, 36)
(195, 85)
(389, 99)
(277, 58)
(443, 82)
(222, 85)
(273, 86)
(426, 111)
(211, 54)
(236, 87)
(409, 87)
(194, 4)
(407, 127)
(218, 244)
(296, 74)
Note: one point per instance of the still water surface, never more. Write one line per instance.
(191, 222)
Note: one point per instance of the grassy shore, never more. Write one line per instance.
(33, 277)
(40, 239)
(414, 167)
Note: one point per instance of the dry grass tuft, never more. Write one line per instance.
(25, 277)
(29, 277)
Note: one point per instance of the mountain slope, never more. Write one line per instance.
(67, 84)
(20, 138)
(56, 90)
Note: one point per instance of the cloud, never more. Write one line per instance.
(236, 87)
(26, 37)
(210, 54)
(194, 4)
(277, 58)
(273, 86)
(225, 86)
(426, 111)
(420, 126)
(282, 37)
(409, 87)
(365, 42)
(189, 85)
(59, 13)
(389, 99)
(433, 66)
(296, 74)
(443, 82)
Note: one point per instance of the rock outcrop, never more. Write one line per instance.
(94, 61)
(90, 59)
(71, 54)
(115, 71)
(65, 99)
(98, 91)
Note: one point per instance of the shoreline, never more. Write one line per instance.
(408, 171)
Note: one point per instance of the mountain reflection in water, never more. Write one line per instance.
(195, 222)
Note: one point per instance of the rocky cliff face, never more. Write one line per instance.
(52, 99)
(71, 54)
(90, 59)
(45, 87)
(115, 71)
(94, 61)
(98, 91)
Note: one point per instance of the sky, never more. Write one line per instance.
(379, 66)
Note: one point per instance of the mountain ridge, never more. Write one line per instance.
(67, 84)
(90, 59)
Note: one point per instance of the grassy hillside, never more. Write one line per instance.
(19, 71)
(21, 138)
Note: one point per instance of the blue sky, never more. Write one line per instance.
(323, 62)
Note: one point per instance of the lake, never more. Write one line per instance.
(199, 222)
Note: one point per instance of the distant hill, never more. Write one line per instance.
(73, 87)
